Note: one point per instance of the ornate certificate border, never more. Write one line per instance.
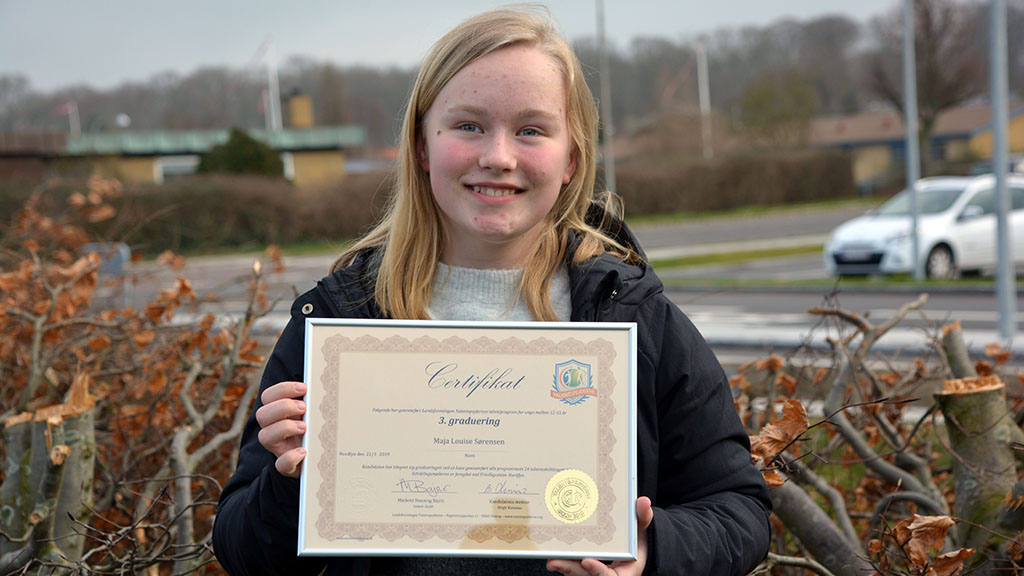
(321, 533)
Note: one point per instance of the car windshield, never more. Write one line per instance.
(929, 201)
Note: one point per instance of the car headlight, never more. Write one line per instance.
(898, 237)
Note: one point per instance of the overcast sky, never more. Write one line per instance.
(105, 42)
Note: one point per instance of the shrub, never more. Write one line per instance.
(214, 212)
(242, 154)
(649, 187)
(117, 424)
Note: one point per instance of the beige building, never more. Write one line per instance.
(311, 156)
(877, 143)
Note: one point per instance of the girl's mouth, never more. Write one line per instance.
(495, 192)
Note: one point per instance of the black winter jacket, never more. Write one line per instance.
(711, 506)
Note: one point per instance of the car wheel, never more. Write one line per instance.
(939, 264)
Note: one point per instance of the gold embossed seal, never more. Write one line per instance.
(571, 496)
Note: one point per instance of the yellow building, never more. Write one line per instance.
(311, 156)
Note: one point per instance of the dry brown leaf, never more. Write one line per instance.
(819, 376)
(1012, 502)
(101, 213)
(1015, 549)
(889, 378)
(919, 533)
(157, 382)
(776, 436)
(274, 253)
(786, 382)
(951, 562)
(100, 342)
(772, 478)
(168, 258)
(131, 410)
(984, 368)
(739, 381)
(875, 546)
(143, 339)
(997, 353)
(772, 363)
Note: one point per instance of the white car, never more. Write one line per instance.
(956, 230)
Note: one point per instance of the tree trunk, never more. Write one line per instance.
(76, 492)
(16, 492)
(28, 442)
(818, 532)
(980, 430)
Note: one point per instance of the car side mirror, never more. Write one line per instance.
(971, 212)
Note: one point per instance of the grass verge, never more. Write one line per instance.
(734, 257)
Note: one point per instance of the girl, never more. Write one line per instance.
(494, 216)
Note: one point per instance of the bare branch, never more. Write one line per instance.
(835, 499)
(901, 313)
(237, 426)
(774, 559)
(194, 371)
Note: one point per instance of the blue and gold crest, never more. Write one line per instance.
(573, 382)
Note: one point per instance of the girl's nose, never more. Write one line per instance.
(498, 155)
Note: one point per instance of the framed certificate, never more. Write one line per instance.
(469, 439)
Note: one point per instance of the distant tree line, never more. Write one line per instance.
(826, 65)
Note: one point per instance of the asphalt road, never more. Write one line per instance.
(759, 318)
(754, 317)
(226, 275)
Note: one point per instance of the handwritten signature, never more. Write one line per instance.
(503, 488)
(421, 487)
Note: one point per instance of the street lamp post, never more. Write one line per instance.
(910, 122)
(607, 127)
(1006, 272)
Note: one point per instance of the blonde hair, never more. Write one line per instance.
(411, 234)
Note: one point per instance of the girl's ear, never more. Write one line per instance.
(570, 169)
(421, 153)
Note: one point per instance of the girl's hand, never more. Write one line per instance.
(592, 567)
(281, 425)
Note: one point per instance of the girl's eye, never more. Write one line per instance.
(529, 132)
(469, 128)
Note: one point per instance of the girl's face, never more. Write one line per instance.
(496, 145)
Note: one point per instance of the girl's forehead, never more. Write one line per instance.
(507, 73)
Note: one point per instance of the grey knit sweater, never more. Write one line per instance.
(476, 294)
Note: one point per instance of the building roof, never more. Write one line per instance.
(887, 125)
(167, 142)
(32, 143)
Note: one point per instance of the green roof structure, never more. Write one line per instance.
(167, 142)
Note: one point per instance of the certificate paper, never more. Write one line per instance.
(469, 439)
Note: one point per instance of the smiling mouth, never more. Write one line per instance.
(495, 192)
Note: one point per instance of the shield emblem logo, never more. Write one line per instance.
(573, 382)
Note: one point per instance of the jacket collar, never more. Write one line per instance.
(350, 291)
